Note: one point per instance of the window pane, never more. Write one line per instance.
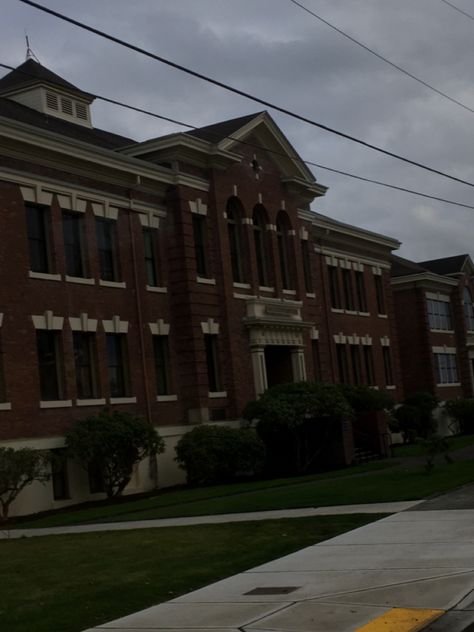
(36, 220)
(369, 365)
(348, 290)
(161, 349)
(150, 248)
(282, 240)
(260, 248)
(213, 376)
(342, 363)
(387, 362)
(117, 365)
(308, 277)
(3, 393)
(334, 287)
(73, 239)
(356, 366)
(361, 295)
(200, 239)
(106, 239)
(85, 361)
(48, 364)
(379, 292)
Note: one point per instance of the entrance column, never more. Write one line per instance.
(259, 370)
(298, 364)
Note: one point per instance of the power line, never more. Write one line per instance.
(381, 57)
(453, 6)
(242, 93)
(266, 149)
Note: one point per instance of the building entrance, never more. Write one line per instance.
(278, 363)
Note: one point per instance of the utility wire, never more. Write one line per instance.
(242, 93)
(296, 159)
(381, 57)
(453, 6)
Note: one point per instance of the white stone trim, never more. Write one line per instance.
(105, 210)
(1, 319)
(242, 286)
(357, 266)
(198, 207)
(310, 295)
(5, 406)
(366, 341)
(234, 190)
(448, 384)
(56, 403)
(385, 341)
(45, 276)
(271, 227)
(331, 261)
(291, 232)
(115, 326)
(217, 394)
(158, 289)
(266, 288)
(247, 220)
(115, 284)
(80, 280)
(354, 339)
(205, 280)
(289, 292)
(210, 327)
(345, 264)
(390, 387)
(304, 233)
(331, 256)
(376, 270)
(382, 315)
(260, 198)
(436, 296)
(159, 328)
(48, 321)
(149, 219)
(314, 333)
(444, 349)
(283, 205)
(83, 323)
(340, 338)
(243, 296)
(123, 400)
(166, 398)
(91, 402)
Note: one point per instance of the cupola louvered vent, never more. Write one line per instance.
(52, 101)
(81, 111)
(66, 106)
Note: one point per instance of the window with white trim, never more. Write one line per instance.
(85, 360)
(446, 368)
(468, 309)
(38, 228)
(152, 255)
(73, 233)
(107, 245)
(162, 365)
(439, 314)
(117, 364)
(50, 364)
(3, 390)
(212, 360)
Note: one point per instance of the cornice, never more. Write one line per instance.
(63, 145)
(428, 279)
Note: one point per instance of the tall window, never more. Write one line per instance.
(379, 294)
(439, 315)
(283, 228)
(3, 390)
(308, 277)
(200, 244)
(37, 222)
(73, 231)
(334, 288)
(360, 291)
(234, 230)
(468, 309)
(348, 290)
(107, 243)
(356, 365)
(150, 246)
(369, 365)
(261, 245)
(212, 359)
(316, 360)
(342, 365)
(49, 364)
(162, 365)
(85, 358)
(387, 365)
(117, 362)
(446, 368)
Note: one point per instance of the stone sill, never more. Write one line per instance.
(166, 398)
(91, 402)
(123, 400)
(5, 406)
(56, 403)
(44, 276)
(116, 284)
(80, 280)
(157, 289)
(217, 394)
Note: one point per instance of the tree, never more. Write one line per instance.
(296, 421)
(113, 442)
(19, 468)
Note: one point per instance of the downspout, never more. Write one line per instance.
(153, 466)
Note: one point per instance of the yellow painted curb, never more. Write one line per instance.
(401, 620)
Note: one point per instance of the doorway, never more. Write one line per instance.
(278, 364)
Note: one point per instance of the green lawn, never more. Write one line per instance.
(67, 583)
(366, 484)
(417, 449)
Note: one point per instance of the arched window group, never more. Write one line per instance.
(261, 243)
(468, 309)
(234, 228)
(283, 231)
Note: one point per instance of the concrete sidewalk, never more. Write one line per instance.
(217, 519)
(397, 574)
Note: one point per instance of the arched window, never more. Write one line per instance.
(234, 229)
(468, 309)
(261, 244)
(283, 228)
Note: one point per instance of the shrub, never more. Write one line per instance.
(113, 442)
(19, 468)
(415, 416)
(462, 411)
(296, 422)
(366, 399)
(218, 454)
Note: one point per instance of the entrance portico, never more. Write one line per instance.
(276, 341)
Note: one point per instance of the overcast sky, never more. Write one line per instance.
(273, 49)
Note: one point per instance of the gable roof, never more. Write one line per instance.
(446, 265)
(218, 132)
(31, 72)
(405, 267)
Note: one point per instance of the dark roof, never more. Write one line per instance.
(218, 131)
(447, 265)
(404, 267)
(31, 72)
(98, 137)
